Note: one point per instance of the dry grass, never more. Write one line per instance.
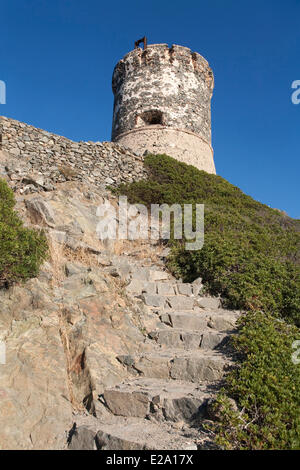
(60, 254)
(140, 249)
(57, 260)
(81, 256)
(63, 330)
(68, 172)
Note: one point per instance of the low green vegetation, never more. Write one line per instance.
(22, 250)
(251, 258)
(266, 388)
(251, 252)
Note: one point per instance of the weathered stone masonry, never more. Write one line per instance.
(34, 158)
(162, 104)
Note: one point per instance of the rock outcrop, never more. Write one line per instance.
(105, 349)
(162, 404)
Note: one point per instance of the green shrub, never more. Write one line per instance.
(22, 250)
(266, 388)
(251, 252)
(251, 258)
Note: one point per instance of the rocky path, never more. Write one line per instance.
(108, 344)
(164, 401)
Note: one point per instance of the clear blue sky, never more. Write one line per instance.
(57, 58)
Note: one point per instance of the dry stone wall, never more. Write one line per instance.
(32, 159)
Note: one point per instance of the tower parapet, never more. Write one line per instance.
(162, 104)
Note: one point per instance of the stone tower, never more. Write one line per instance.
(162, 101)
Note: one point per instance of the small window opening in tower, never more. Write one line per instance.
(150, 118)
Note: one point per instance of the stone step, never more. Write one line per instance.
(131, 270)
(119, 433)
(162, 399)
(210, 303)
(139, 434)
(221, 320)
(196, 366)
(176, 302)
(183, 339)
(149, 274)
(139, 286)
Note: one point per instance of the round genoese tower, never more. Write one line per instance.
(162, 101)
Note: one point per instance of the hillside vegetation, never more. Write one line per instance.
(251, 258)
(22, 250)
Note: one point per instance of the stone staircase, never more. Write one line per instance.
(163, 403)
